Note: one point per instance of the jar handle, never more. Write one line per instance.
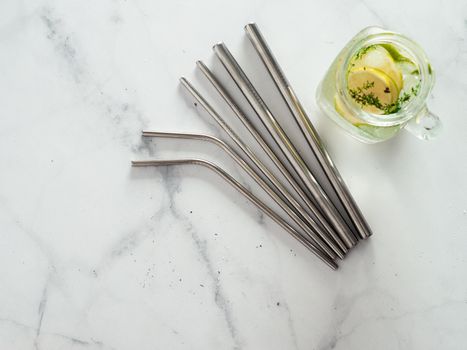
(425, 125)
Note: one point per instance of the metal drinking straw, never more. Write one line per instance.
(267, 149)
(284, 143)
(259, 180)
(255, 200)
(309, 132)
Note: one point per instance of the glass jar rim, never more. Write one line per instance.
(414, 106)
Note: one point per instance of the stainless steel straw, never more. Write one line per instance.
(255, 200)
(309, 132)
(284, 143)
(267, 149)
(263, 184)
(251, 155)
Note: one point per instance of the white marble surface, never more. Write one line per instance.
(96, 255)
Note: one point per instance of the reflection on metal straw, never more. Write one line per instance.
(284, 143)
(277, 162)
(307, 129)
(278, 186)
(311, 234)
(247, 194)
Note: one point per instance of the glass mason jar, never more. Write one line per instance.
(356, 112)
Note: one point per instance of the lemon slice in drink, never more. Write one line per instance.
(378, 57)
(372, 89)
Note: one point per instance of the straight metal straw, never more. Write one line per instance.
(309, 132)
(255, 200)
(267, 149)
(251, 155)
(263, 184)
(284, 143)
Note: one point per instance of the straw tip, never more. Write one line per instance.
(250, 24)
(184, 82)
(217, 45)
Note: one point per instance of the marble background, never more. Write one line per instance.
(96, 255)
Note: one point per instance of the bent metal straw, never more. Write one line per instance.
(263, 184)
(255, 200)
